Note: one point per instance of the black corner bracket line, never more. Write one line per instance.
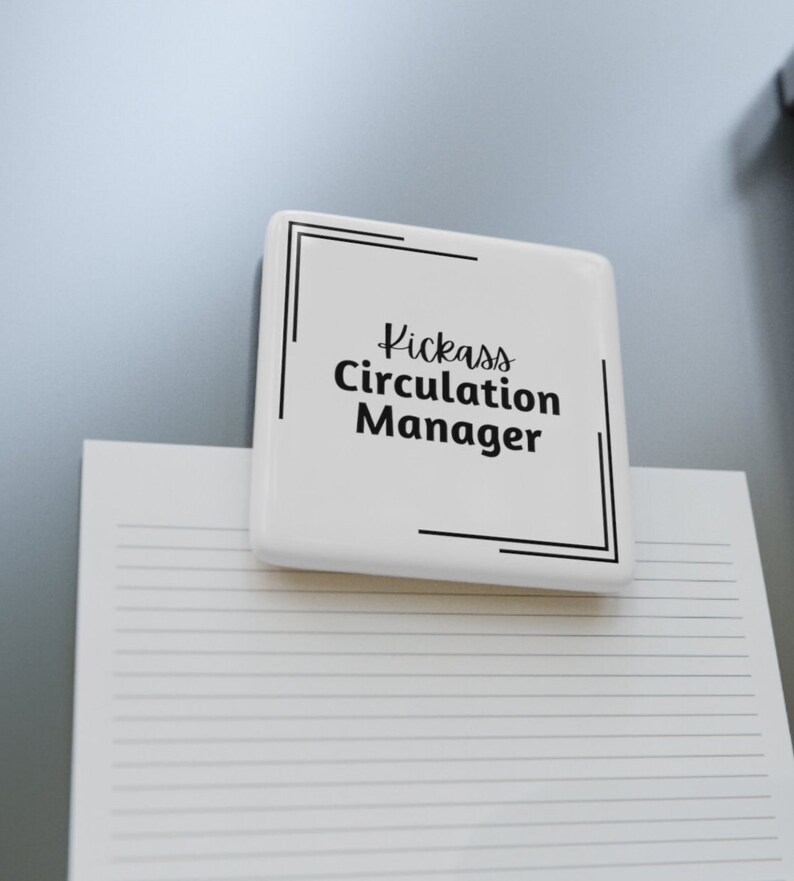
(615, 558)
(604, 546)
(288, 277)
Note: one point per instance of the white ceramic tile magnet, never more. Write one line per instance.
(438, 405)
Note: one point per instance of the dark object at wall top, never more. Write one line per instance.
(785, 79)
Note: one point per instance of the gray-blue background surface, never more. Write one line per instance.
(144, 145)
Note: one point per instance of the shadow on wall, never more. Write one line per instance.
(764, 160)
(763, 152)
(253, 353)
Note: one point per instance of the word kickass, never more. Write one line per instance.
(439, 349)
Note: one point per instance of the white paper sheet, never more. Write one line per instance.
(233, 724)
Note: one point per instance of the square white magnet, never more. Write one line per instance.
(438, 405)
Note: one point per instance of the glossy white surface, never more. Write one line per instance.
(439, 405)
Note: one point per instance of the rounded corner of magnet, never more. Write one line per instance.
(600, 262)
(280, 217)
(598, 269)
(624, 573)
(279, 221)
(265, 546)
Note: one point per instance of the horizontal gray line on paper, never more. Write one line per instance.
(456, 872)
(247, 550)
(435, 634)
(423, 674)
(130, 547)
(325, 718)
(530, 824)
(347, 784)
(425, 654)
(262, 570)
(698, 544)
(692, 580)
(121, 741)
(259, 569)
(246, 529)
(170, 588)
(256, 763)
(416, 696)
(690, 562)
(419, 614)
(182, 526)
(435, 848)
(358, 806)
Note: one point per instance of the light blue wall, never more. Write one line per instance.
(143, 146)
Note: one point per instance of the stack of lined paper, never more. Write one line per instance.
(234, 724)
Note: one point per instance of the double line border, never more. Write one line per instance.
(292, 292)
(561, 544)
(288, 285)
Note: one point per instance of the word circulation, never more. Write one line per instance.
(352, 376)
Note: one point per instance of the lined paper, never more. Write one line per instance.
(234, 724)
